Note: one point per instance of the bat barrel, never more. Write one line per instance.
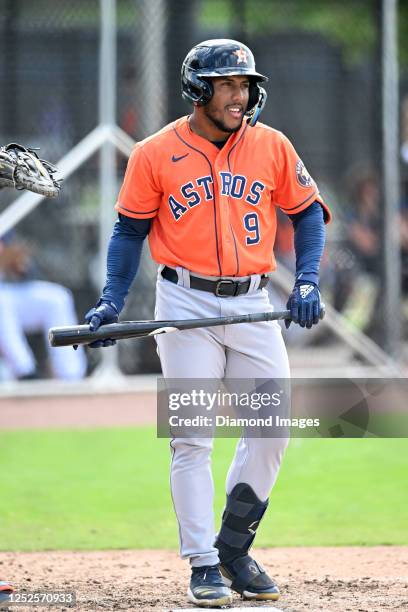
(81, 334)
(68, 336)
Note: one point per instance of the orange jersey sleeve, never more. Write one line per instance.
(295, 189)
(140, 195)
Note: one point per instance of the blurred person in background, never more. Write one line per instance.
(30, 306)
(360, 286)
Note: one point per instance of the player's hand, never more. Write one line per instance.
(103, 313)
(304, 305)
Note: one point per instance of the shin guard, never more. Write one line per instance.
(240, 520)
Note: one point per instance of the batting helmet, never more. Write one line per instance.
(220, 57)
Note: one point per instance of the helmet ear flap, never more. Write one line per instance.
(253, 97)
(197, 89)
(253, 114)
(207, 91)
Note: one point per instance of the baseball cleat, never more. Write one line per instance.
(248, 578)
(5, 591)
(207, 588)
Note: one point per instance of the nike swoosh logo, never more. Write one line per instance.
(176, 159)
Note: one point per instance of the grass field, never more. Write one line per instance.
(108, 488)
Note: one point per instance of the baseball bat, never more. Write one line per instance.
(80, 334)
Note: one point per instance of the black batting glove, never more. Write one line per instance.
(304, 305)
(103, 313)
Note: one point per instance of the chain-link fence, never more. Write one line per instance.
(325, 68)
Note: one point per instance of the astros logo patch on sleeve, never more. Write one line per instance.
(302, 175)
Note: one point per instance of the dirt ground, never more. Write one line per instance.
(329, 579)
(335, 579)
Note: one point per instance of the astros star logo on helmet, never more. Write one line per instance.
(241, 55)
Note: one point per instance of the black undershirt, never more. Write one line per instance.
(219, 143)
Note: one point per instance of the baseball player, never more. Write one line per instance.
(205, 189)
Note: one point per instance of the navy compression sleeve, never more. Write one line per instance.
(310, 236)
(124, 251)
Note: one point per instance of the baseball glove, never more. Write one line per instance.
(21, 168)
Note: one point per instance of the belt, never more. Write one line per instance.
(225, 287)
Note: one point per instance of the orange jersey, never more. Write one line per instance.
(214, 211)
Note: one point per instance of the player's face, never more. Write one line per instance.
(228, 104)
